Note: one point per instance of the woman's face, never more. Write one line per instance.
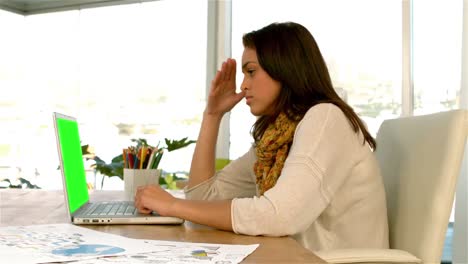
(261, 91)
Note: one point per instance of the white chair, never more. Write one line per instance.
(420, 160)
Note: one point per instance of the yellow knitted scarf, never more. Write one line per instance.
(272, 151)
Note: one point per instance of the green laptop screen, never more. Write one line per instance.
(72, 162)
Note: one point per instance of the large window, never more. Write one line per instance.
(360, 40)
(437, 55)
(129, 71)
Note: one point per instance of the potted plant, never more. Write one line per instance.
(115, 167)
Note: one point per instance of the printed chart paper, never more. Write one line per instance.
(181, 253)
(63, 242)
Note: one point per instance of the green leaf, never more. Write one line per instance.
(28, 184)
(169, 181)
(140, 142)
(177, 144)
(85, 149)
(23, 182)
(117, 159)
(115, 168)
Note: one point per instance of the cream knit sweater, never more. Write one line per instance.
(330, 193)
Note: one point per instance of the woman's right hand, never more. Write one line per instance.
(223, 97)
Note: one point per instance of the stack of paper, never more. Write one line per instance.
(67, 242)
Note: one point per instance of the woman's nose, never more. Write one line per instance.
(244, 85)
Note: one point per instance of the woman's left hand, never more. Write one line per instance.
(153, 198)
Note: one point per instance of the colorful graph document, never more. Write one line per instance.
(67, 242)
(63, 242)
(181, 253)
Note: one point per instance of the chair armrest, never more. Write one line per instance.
(367, 255)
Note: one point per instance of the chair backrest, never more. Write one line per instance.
(420, 159)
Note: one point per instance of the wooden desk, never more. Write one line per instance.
(30, 207)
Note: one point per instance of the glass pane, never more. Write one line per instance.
(437, 55)
(360, 41)
(127, 71)
(11, 71)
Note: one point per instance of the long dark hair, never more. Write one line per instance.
(289, 54)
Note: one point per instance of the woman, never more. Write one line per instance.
(310, 174)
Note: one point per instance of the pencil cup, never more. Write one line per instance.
(134, 178)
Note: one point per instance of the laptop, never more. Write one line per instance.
(80, 210)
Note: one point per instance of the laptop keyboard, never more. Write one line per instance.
(111, 209)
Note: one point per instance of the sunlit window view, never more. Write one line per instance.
(360, 40)
(128, 71)
(437, 55)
